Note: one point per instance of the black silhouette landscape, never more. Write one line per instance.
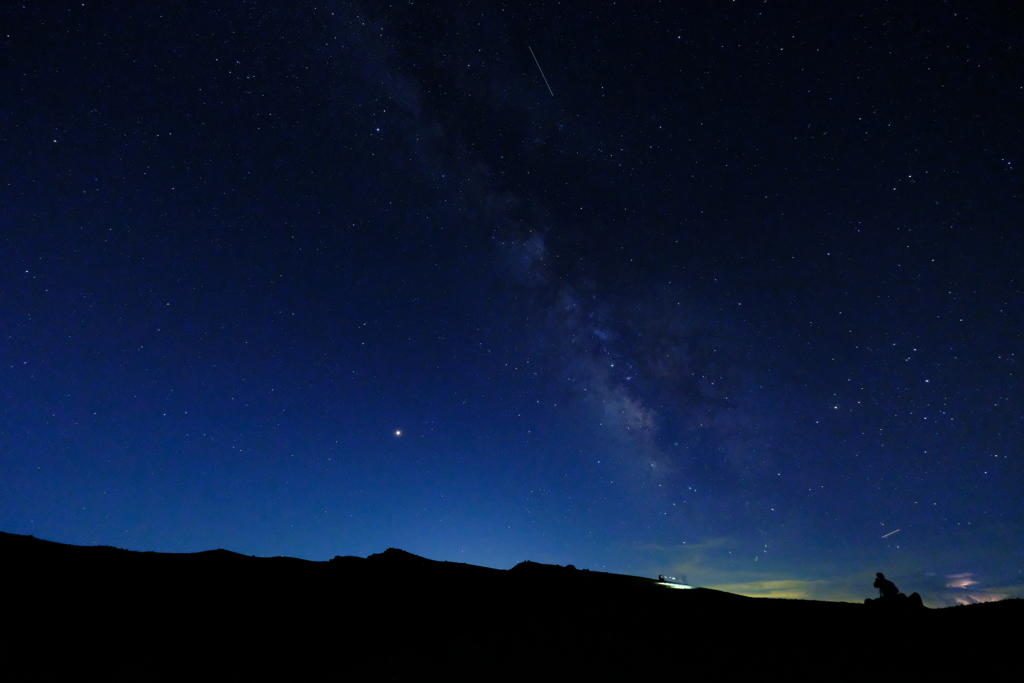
(111, 613)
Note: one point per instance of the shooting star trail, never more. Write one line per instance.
(889, 534)
(541, 71)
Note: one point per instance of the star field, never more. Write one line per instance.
(727, 291)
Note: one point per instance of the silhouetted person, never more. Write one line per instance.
(886, 588)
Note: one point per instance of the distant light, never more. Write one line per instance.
(398, 432)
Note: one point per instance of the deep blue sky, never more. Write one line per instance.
(736, 298)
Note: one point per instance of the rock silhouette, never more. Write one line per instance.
(85, 612)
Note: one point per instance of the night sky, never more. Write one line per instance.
(728, 291)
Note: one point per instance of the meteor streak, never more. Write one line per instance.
(541, 71)
(889, 534)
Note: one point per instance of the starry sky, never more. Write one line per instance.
(728, 291)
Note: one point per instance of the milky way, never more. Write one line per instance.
(727, 291)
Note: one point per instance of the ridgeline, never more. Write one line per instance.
(104, 612)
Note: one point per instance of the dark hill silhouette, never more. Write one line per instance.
(111, 613)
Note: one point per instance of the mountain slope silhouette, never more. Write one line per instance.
(101, 611)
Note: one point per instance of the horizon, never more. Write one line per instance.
(772, 589)
(728, 291)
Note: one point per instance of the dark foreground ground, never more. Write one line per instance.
(98, 612)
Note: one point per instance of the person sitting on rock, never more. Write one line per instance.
(885, 587)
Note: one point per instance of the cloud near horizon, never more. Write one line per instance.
(850, 589)
(702, 562)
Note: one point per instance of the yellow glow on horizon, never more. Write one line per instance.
(792, 589)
